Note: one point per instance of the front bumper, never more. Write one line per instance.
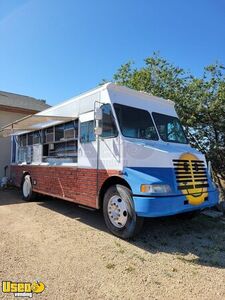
(166, 206)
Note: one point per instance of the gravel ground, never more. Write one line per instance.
(71, 251)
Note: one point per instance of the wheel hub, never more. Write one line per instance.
(117, 211)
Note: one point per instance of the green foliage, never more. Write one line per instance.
(200, 102)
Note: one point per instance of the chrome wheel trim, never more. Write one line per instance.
(117, 211)
(26, 187)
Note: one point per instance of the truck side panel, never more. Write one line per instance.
(78, 185)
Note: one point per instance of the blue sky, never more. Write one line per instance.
(53, 50)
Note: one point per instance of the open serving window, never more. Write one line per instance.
(43, 139)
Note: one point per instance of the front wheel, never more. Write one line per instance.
(119, 214)
(27, 191)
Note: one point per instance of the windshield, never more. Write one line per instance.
(135, 122)
(169, 128)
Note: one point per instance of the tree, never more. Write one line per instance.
(200, 102)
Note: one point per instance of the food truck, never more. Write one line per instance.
(115, 149)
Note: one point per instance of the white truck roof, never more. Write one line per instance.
(72, 108)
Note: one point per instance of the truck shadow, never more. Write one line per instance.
(9, 197)
(199, 241)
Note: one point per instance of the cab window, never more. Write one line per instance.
(87, 134)
(135, 122)
(169, 128)
(109, 128)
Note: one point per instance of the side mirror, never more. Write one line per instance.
(98, 119)
(98, 114)
(209, 168)
(98, 130)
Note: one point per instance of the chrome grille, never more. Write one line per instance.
(190, 174)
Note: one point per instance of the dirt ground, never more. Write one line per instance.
(70, 250)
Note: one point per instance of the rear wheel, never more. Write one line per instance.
(27, 191)
(119, 214)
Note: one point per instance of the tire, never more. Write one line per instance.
(119, 214)
(27, 190)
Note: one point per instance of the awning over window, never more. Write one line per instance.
(32, 123)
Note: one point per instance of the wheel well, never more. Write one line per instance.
(109, 182)
(24, 174)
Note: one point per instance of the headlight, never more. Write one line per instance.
(155, 188)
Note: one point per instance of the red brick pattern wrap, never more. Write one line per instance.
(70, 183)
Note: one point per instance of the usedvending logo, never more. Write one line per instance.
(22, 289)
